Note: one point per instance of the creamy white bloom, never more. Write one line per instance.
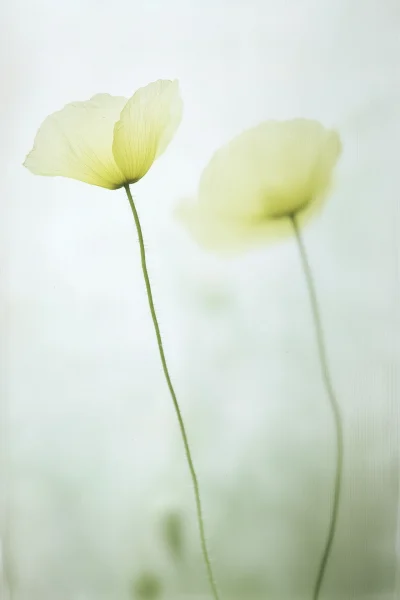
(261, 178)
(108, 141)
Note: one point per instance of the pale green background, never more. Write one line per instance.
(90, 446)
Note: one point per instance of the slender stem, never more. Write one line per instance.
(174, 399)
(334, 405)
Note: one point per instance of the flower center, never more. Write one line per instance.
(284, 209)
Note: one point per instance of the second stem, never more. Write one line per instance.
(334, 406)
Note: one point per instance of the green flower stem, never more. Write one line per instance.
(174, 399)
(334, 406)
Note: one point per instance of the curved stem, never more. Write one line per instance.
(174, 398)
(334, 405)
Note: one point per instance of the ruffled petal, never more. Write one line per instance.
(76, 142)
(147, 125)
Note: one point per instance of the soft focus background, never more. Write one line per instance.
(96, 500)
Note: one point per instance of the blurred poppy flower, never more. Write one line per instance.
(251, 186)
(108, 141)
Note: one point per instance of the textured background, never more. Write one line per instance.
(92, 467)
